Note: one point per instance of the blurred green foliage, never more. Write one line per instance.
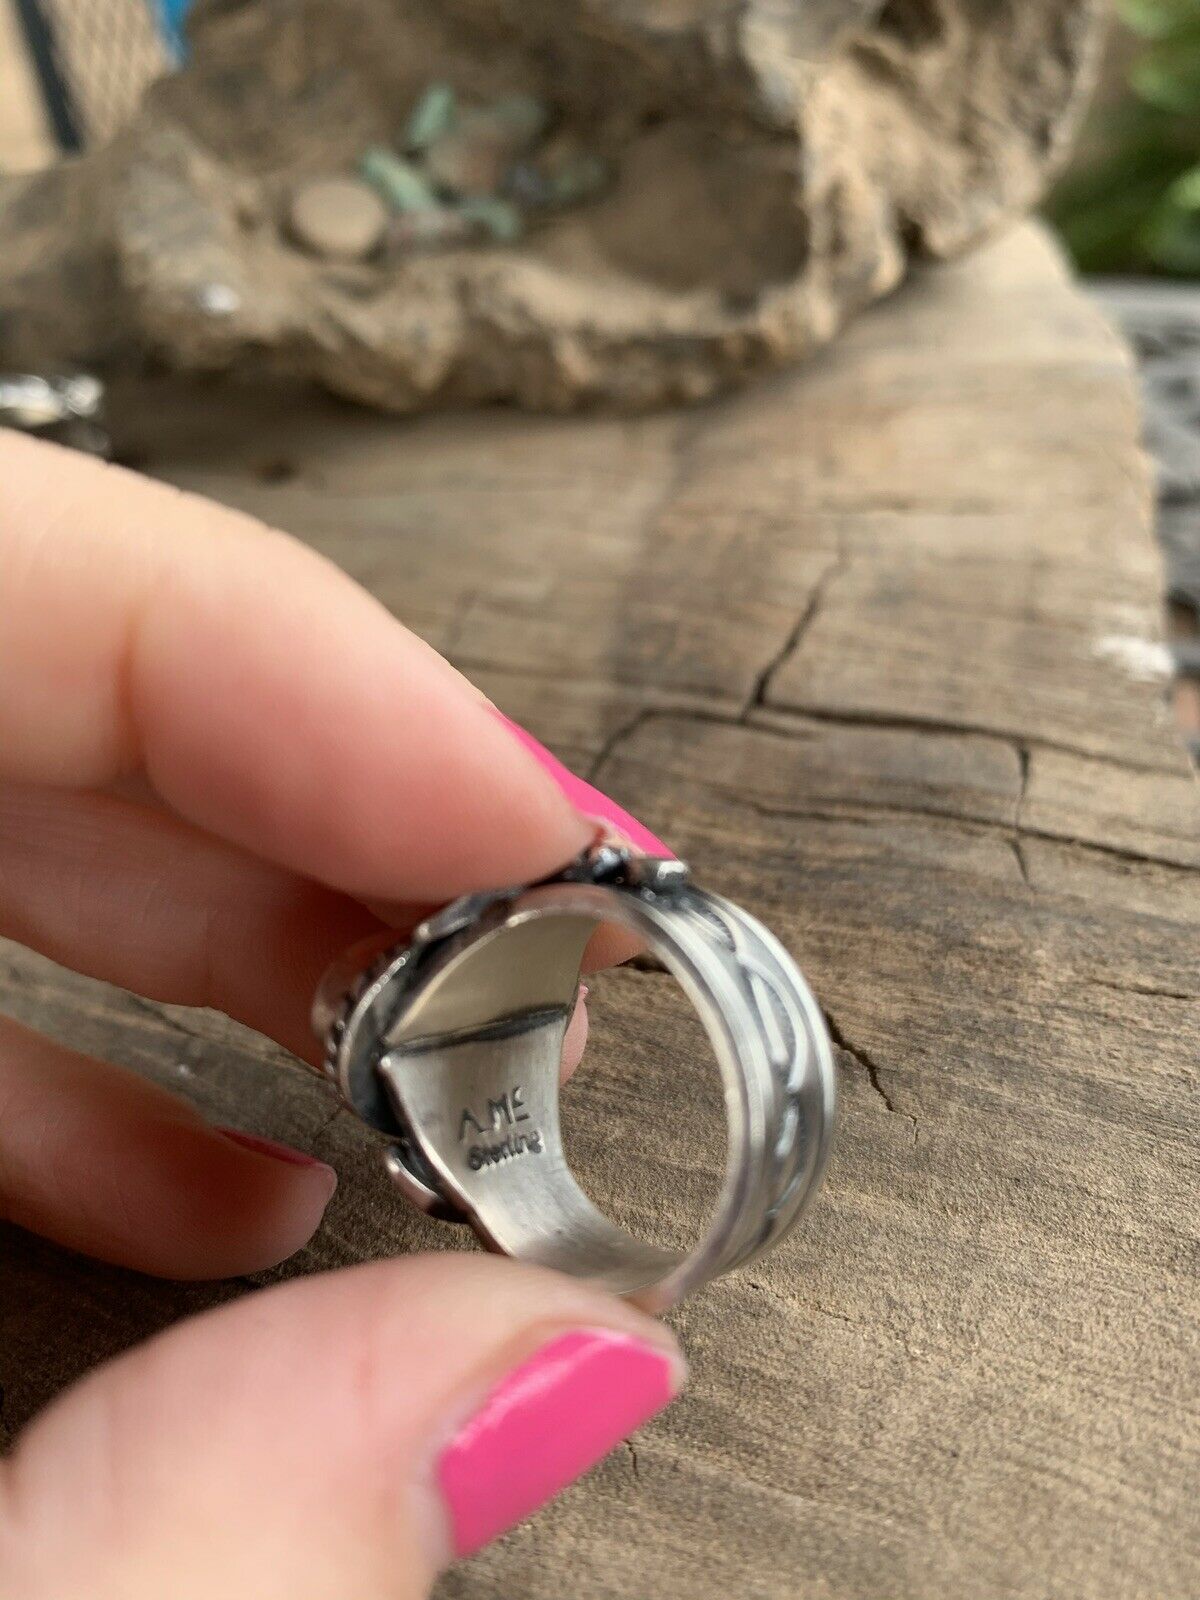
(1133, 205)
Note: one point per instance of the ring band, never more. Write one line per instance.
(452, 1044)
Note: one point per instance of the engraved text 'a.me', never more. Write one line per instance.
(501, 1116)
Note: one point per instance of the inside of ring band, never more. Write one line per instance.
(473, 1066)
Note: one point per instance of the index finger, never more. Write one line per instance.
(266, 697)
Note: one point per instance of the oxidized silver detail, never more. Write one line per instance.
(451, 1045)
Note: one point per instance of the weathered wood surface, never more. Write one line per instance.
(843, 642)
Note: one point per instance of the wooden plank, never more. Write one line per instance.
(839, 640)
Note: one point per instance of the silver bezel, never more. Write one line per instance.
(766, 1029)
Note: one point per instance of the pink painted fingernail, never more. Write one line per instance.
(272, 1148)
(545, 1424)
(586, 798)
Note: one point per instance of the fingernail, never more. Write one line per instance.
(545, 1424)
(271, 1147)
(586, 798)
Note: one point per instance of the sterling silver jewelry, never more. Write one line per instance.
(65, 407)
(451, 1045)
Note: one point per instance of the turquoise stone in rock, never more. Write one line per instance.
(433, 116)
(401, 184)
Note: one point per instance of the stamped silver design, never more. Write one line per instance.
(451, 1043)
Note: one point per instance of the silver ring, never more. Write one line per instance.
(451, 1044)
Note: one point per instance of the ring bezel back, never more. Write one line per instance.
(431, 1039)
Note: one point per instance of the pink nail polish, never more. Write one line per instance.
(272, 1148)
(586, 798)
(545, 1424)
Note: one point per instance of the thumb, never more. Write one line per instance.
(336, 1435)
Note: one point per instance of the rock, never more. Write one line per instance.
(437, 228)
(519, 120)
(770, 167)
(526, 183)
(499, 220)
(339, 219)
(468, 160)
(561, 174)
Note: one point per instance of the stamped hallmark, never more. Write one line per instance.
(499, 1116)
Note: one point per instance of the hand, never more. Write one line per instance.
(216, 754)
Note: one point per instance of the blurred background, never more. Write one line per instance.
(72, 71)
(1126, 208)
(1130, 202)
(1128, 211)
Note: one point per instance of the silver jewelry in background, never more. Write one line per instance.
(67, 408)
(452, 1045)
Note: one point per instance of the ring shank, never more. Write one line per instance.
(471, 1060)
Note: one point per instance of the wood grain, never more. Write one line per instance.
(841, 641)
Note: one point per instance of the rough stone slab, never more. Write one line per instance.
(770, 169)
(836, 641)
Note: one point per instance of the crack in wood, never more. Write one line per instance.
(834, 1316)
(1018, 846)
(802, 1304)
(872, 1070)
(761, 689)
(869, 1066)
(1147, 989)
(1015, 832)
(670, 713)
(325, 1124)
(155, 1012)
(1018, 850)
(620, 735)
(894, 721)
(850, 814)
